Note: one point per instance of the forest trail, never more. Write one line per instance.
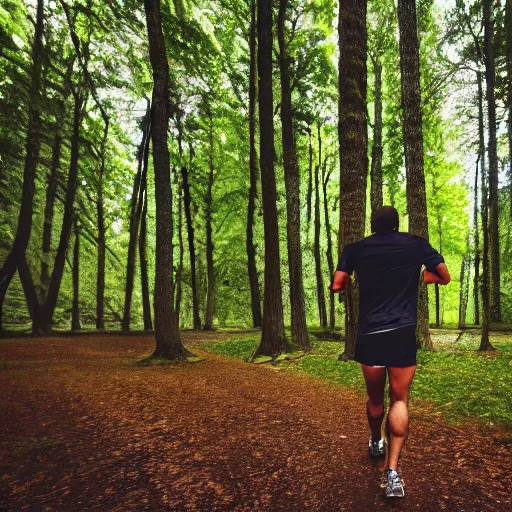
(83, 428)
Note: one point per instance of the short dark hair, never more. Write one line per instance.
(385, 220)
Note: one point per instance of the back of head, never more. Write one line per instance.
(385, 220)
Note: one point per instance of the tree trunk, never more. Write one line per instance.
(168, 342)
(322, 313)
(179, 273)
(100, 277)
(143, 261)
(273, 339)
(191, 249)
(309, 193)
(135, 212)
(437, 290)
(210, 291)
(253, 171)
(330, 261)
(33, 144)
(75, 309)
(292, 183)
(485, 344)
(476, 281)
(508, 56)
(353, 143)
(463, 293)
(494, 239)
(43, 320)
(413, 145)
(376, 168)
(49, 203)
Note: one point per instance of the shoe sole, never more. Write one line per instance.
(395, 494)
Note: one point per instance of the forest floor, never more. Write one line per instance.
(84, 428)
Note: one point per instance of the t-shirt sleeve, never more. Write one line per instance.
(346, 262)
(429, 256)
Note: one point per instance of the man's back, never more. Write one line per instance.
(388, 267)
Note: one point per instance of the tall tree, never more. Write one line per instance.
(490, 82)
(143, 261)
(135, 213)
(476, 279)
(413, 145)
(75, 309)
(485, 343)
(253, 176)
(211, 285)
(273, 339)
(168, 341)
(353, 143)
(33, 142)
(292, 183)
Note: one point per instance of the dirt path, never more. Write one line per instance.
(83, 429)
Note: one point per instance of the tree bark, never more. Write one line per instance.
(143, 261)
(75, 309)
(328, 252)
(191, 248)
(508, 58)
(253, 172)
(376, 166)
(476, 280)
(494, 239)
(135, 213)
(320, 297)
(181, 245)
(309, 193)
(273, 339)
(168, 342)
(464, 290)
(211, 285)
(33, 143)
(413, 145)
(100, 276)
(292, 183)
(485, 343)
(353, 144)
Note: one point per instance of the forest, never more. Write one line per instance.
(196, 164)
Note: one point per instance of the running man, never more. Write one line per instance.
(387, 265)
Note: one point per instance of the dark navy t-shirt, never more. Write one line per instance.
(388, 267)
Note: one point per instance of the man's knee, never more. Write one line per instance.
(398, 393)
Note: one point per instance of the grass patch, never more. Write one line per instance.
(459, 382)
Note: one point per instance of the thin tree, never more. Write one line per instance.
(490, 81)
(135, 213)
(253, 176)
(210, 282)
(476, 279)
(485, 344)
(187, 201)
(328, 252)
(292, 183)
(75, 309)
(33, 143)
(376, 163)
(168, 341)
(273, 339)
(143, 261)
(353, 143)
(413, 145)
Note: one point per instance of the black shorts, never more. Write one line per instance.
(389, 348)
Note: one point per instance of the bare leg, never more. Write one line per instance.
(398, 417)
(375, 379)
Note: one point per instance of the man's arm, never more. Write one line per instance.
(339, 281)
(440, 276)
